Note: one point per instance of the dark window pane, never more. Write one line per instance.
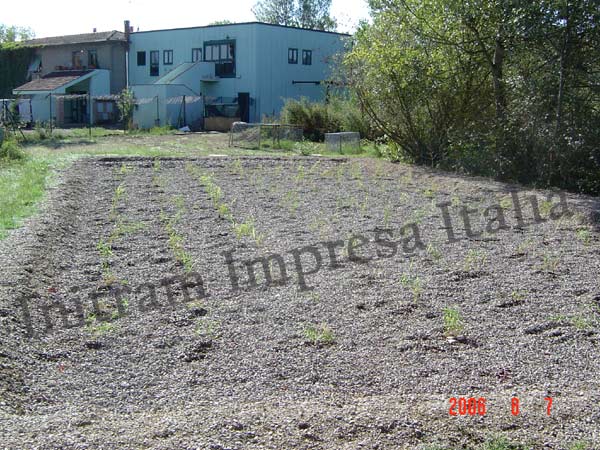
(141, 58)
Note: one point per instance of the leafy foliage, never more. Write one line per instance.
(126, 103)
(317, 118)
(313, 14)
(493, 87)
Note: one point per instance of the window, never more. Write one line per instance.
(154, 63)
(93, 58)
(141, 58)
(167, 57)
(292, 56)
(222, 53)
(77, 59)
(196, 54)
(306, 57)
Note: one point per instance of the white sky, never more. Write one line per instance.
(59, 17)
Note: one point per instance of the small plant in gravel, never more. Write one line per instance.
(546, 207)
(387, 216)
(414, 284)
(433, 252)
(248, 229)
(207, 327)
(156, 165)
(117, 197)
(475, 260)
(125, 169)
(453, 322)
(524, 247)
(319, 334)
(301, 174)
(123, 228)
(550, 262)
(584, 235)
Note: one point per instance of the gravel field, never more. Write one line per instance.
(136, 311)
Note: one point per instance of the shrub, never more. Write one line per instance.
(10, 150)
(313, 117)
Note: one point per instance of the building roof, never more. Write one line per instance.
(53, 80)
(101, 36)
(244, 23)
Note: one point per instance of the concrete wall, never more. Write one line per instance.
(111, 56)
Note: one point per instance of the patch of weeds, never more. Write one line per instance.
(125, 169)
(453, 322)
(433, 252)
(414, 284)
(176, 240)
(292, 202)
(224, 212)
(546, 207)
(237, 167)
(431, 191)
(117, 197)
(580, 445)
(208, 327)
(104, 248)
(475, 260)
(96, 327)
(156, 165)
(248, 229)
(124, 228)
(500, 443)
(517, 296)
(524, 247)
(387, 216)
(550, 262)
(581, 323)
(584, 235)
(301, 174)
(319, 334)
(506, 202)
(418, 215)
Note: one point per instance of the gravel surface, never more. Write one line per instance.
(353, 348)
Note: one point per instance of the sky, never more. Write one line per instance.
(60, 17)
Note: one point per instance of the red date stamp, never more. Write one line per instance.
(471, 406)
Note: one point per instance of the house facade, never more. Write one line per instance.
(241, 71)
(68, 71)
(205, 77)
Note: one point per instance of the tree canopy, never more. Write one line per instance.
(497, 87)
(313, 14)
(11, 34)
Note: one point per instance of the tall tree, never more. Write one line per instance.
(498, 87)
(10, 34)
(313, 14)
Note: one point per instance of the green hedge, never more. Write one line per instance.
(14, 63)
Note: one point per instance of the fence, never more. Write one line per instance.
(175, 111)
(264, 135)
(344, 142)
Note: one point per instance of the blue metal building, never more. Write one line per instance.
(239, 71)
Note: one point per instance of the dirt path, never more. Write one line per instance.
(167, 346)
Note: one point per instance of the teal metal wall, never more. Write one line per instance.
(262, 67)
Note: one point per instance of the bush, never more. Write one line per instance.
(314, 118)
(10, 150)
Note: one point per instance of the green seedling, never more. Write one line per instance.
(207, 327)
(319, 335)
(475, 260)
(584, 235)
(433, 252)
(453, 322)
(550, 263)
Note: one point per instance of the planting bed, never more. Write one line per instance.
(363, 342)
